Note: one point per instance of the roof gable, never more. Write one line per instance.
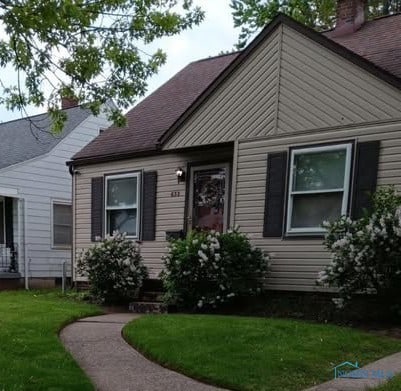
(155, 121)
(321, 89)
(293, 79)
(27, 138)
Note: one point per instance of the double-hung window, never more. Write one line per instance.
(122, 204)
(62, 224)
(318, 187)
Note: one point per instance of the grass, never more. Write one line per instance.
(392, 385)
(254, 353)
(32, 357)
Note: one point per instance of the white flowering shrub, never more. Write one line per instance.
(366, 253)
(114, 268)
(207, 269)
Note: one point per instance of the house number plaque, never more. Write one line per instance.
(175, 194)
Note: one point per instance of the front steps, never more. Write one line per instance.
(147, 307)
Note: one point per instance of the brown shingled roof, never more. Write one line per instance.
(379, 41)
(148, 120)
(375, 47)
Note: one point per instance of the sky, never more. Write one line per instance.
(214, 35)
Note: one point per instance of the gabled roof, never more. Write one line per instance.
(148, 120)
(378, 41)
(158, 116)
(27, 138)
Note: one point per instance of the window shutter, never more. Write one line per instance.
(8, 205)
(97, 208)
(365, 180)
(275, 194)
(149, 205)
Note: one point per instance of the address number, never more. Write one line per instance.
(175, 194)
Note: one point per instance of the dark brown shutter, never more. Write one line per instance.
(365, 180)
(8, 205)
(97, 208)
(275, 194)
(149, 205)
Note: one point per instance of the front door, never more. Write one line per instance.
(208, 197)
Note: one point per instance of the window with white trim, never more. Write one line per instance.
(122, 204)
(62, 224)
(318, 187)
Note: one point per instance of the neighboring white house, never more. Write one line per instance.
(36, 196)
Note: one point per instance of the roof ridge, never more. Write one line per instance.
(383, 16)
(217, 56)
(35, 115)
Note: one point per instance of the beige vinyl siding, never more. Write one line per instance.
(289, 83)
(318, 89)
(243, 106)
(296, 262)
(169, 210)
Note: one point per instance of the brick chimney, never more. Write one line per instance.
(350, 17)
(67, 103)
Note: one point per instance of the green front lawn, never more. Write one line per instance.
(392, 385)
(32, 357)
(254, 353)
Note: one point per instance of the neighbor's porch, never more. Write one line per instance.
(11, 236)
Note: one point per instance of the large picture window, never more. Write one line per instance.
(62, 224)
(122, 204)
(318, 187)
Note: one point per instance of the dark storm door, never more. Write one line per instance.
(208, 197)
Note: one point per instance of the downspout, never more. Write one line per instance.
(26, 262)
(19, 223)
(71, 171)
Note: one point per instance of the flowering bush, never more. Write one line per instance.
(366, 253)
(206, 269)
(114, 268)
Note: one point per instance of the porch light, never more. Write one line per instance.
(180, 173)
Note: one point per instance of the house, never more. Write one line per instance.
(35, 194)
(345, 369)
(291, 131)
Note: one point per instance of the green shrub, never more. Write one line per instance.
(114, 267)
(207, 269)
(366, 253)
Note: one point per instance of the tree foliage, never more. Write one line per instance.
(252, 15)
(84, 49)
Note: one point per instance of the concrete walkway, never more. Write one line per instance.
(112, 364)
(385, 365)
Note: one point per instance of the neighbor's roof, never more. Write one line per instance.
(376, 47)
(27, 138)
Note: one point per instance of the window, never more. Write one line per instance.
(62, 224)
(122, 204)
(318, 187)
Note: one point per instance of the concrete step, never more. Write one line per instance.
(152, 296)
(147, 307)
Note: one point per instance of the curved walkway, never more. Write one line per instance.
(113, 365)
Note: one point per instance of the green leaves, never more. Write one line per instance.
(89, 50)
(252, 15)
(207, 269)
